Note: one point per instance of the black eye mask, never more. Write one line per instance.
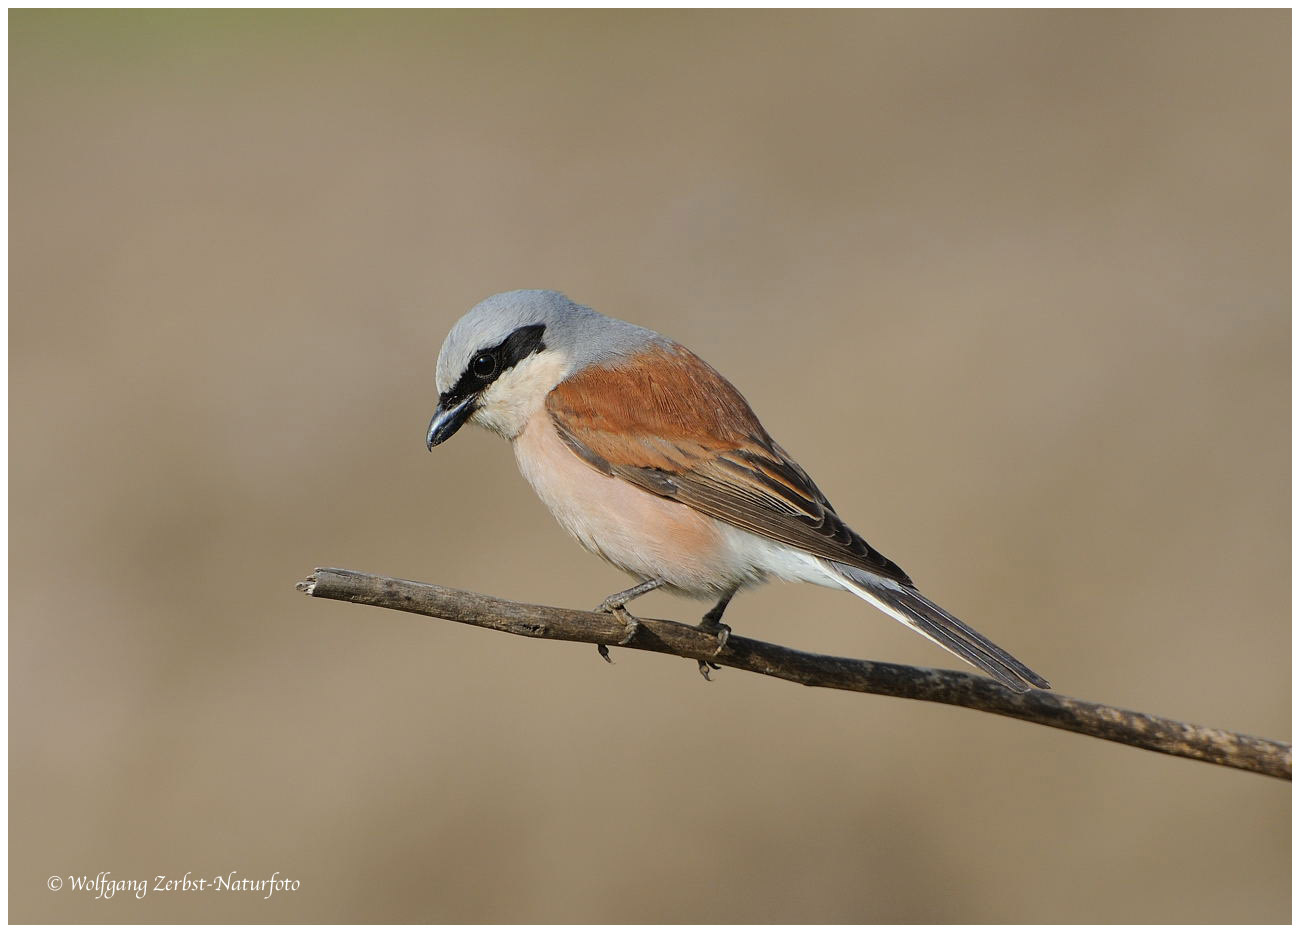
(489, 363)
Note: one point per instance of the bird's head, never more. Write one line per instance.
(503, 357)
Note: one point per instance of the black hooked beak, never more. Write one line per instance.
(447, 420)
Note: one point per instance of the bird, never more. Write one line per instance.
(655, 462)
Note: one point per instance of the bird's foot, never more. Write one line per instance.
(719, 631)
(609, 604)
(631, 624)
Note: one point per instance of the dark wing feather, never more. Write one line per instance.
(669, 423)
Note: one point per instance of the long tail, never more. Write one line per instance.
(919, 614)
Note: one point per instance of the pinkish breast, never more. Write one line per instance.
(632, 529)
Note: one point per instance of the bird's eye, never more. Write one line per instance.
(483, 366)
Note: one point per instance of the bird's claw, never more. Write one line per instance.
(631, 625)
(722, 633)
(719, 631)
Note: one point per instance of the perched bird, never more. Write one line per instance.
(655, 462)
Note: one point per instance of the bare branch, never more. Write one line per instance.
(955, 688)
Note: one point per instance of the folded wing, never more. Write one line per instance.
(669, 423)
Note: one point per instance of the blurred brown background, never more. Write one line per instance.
(1014, 287)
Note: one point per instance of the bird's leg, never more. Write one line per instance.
(712, 623)
(614, 606)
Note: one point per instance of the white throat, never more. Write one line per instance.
(517, 394)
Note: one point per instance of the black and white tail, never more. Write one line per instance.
(919, 614)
